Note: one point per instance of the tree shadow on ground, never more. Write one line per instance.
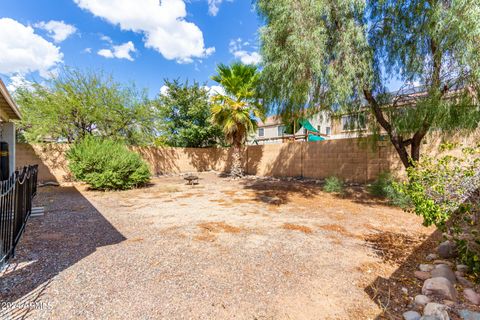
(71, 229)
(280, 191)
(360, 194)
(386, 292)
(407, 252)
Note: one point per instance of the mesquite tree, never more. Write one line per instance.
(76, 103)
(344, 55)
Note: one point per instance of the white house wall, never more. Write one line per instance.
(8, 136)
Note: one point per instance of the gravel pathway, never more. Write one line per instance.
(244, 249)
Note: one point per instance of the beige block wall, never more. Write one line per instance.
(50, 158)
(181, 160)
(349, 159)
(276, 160)
(342, 158)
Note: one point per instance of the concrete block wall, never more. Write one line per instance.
(349, 159)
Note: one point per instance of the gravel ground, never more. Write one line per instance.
(243, 249)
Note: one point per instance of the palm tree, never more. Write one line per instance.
(236, 111)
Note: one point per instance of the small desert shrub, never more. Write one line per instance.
(333, 184)
(386, 187)
(445, 191)
(107, 165)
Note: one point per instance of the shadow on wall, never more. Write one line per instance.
(317, 160)
(160, 160)
(276, 160)
(71, 230)
(50, 158)
(201, 159)
(181, 160)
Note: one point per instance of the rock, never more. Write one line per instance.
(426, 267)
(422, 275)
(421, 299)
(440, 262)
(462, 268)
(441, 287)
(405, 290)
(448, 303)
(437, 310)
(445, 272)
(464, 282)
(446, 250)
(432, 256)
(469, 315)
(411, 315)
(429, 318)
(459, 274)
(471, 296)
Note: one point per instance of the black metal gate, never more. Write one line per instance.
(16, 195)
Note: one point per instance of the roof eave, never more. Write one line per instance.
(9, 100)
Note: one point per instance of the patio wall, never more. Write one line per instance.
(345, 158)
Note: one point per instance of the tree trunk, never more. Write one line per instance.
(398, 141)
(237, 168)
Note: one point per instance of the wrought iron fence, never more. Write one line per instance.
(16, 195)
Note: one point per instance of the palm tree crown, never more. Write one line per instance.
(236, 110)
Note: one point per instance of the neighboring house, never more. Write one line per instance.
(342, 126)
(8, 113)
(272, 130)
(269, 131)
(322, 122)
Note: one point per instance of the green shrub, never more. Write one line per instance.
(445, 192)
(386, 187)
(333, 184)
(107, 165)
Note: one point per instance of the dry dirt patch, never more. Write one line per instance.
(296, 227)
(394, 247)
(210, 230)
(143, 252)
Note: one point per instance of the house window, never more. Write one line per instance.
(261, 132)
(319, 128)
(281, 130)
(328, 131)
(353, 122)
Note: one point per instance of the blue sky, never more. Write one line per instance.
(144, 41)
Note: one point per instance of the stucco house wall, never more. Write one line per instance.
(8, 113)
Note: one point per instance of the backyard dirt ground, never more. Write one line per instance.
(222, 249)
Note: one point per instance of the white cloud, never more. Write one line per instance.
(106, 38)
(214, 6)
(122, 51)
(19, 81)
(162, 23)
(164, 90)
(236, 47)
(23, 51)
(212, 90)
(87, 50)
(57, 30)
(248, 57)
